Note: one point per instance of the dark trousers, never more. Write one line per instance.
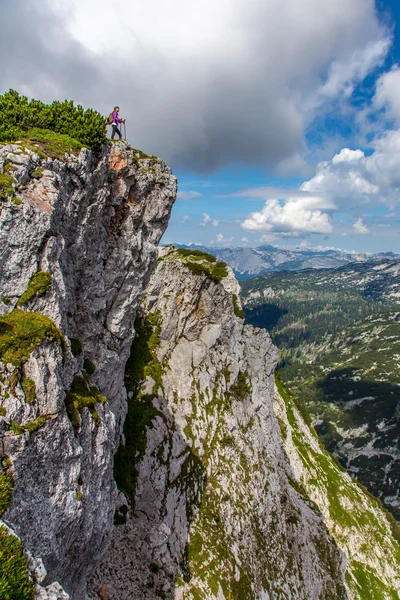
(114, 131)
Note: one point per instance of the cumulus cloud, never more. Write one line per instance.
(387, 95)
(290, 218)
(186, 219)
(353, 179)
(207, 220)
(201, 84)
(360, 228)
(182, 195)
(220, 239)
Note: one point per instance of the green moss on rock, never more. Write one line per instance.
(81, 395)
(142, 363)
(29, 387)
(76, 346)
(15, 582)
(6, 186)
(39, 284)
(236, 308)
(21, 332)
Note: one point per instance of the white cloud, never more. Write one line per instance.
(220, 239)
(188, 195)
(387, 95)
(293, 217)
(354, 179)
(185, 219)
(185, 70)
(207, 220)
(245, 240)
(360, 228)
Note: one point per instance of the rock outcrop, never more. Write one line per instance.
(216, 511)
(78, 241)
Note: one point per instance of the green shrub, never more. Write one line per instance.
(6, 490)
(79, 495)
(196, 253)
(6, 300)
(6, 187)
(39, 284)
(89, 367)
(15, 583)
(18, 116)
(16, 428)
(241, 389)
(79, 396)
(76, 346)
(21, 332)
(236, 309)
(216, 271)
(29, 387)
(32, 426)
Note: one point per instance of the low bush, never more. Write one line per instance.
(39, 284)
(18, 115)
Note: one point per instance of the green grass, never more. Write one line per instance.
(241, 389)
(89, 367)
(15, 582)
(142, 363)
(196, 254)
(29, 387)
(6, 188)
(236, 308)
(21, 332)
(6, 490)
(81, 395)
(6, 300)
(76, 346)
(39, 285)
(54, 145)
(33, 426)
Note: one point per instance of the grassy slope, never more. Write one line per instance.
(356, 520)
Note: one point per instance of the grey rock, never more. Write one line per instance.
(93, 222)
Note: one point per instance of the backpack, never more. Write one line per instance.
(110, 119)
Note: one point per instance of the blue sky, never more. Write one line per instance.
(281, 118)
(218, 189)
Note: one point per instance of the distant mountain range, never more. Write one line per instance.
(249, 262)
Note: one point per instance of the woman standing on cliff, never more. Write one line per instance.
(116, 120)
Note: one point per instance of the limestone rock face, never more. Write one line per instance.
(215, 509)
(93, 223)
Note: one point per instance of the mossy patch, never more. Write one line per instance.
(196, 254)
(6, 186)
(15, 582)
(6, 487)
(81, 395)
(21, 332)
(76, 346)
(241, 389)
(6, 300)
(39, 284)
(88, 366)
(37, 173)
(236, 308)
(29, 387)
(142, 363)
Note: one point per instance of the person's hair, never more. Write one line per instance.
(115, 107)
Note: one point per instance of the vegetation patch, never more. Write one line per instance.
(45, 123)
(6, 487)
(39, 284)
(236, 308)
(197, 254)
(142, 363)
(21, 332)
(81, 395)
(89, 367)
(76, 346)
(6, 300)
(15, 582)
(29, 387)
(6, 187)
(241, 389)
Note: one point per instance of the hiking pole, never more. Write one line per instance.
(125, 130)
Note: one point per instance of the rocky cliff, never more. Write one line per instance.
(225, 492)
(78, 238)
